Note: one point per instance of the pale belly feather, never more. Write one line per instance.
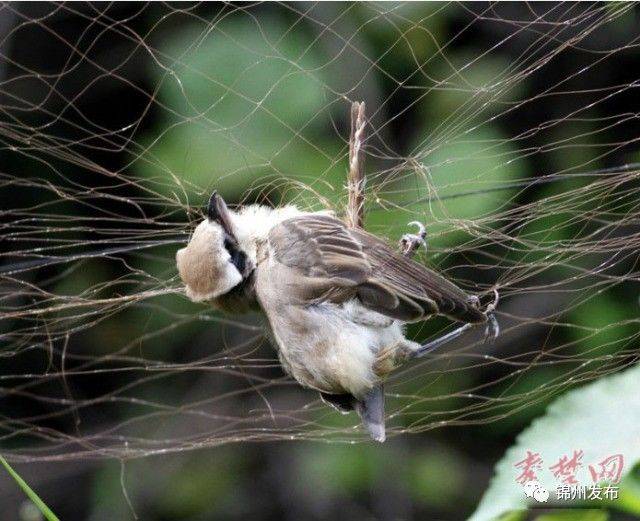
(322, 346)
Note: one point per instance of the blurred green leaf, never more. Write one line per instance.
(526, 398)
(457, 183)
(475, 87)
(436, 476)
(603, 319)
(629, 496)
(516, 515)
(575, 515)
(211, 480)
(339, 469)
(243, 104)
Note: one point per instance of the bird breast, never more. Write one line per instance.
(324, 346)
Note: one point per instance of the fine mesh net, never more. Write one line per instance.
(510, 130)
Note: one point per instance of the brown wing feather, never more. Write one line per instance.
(416, 281)
(318, 247)
(356, 263)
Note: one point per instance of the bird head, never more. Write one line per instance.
(212, 263)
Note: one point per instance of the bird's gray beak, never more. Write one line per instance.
(217, 211)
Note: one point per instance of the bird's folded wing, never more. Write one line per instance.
(347, 263)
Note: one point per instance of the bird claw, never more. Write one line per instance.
(410, 242)
(493, 305)
(492, 330)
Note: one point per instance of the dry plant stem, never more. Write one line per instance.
(356, 181)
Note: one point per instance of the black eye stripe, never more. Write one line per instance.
(238, 257)
(240, 261)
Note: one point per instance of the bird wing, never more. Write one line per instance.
(344, 263)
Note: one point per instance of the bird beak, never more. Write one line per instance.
(217, 211)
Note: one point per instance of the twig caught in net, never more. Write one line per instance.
(356, 178)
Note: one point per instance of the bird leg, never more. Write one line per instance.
(410, 242)
(491, 332)
(425, 349)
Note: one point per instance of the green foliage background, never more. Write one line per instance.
(254, 105)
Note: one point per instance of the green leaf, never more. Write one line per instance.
(601, 419)
(242, 111)
(436, 476)
(461, 182)
(46, 512)
(607, 321)
(338, 469)
(516, 515)
(575, 515)
(629, 497)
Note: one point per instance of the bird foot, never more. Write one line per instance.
(492, 330)
(410, 242)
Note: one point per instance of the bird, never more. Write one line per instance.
(336, 299)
